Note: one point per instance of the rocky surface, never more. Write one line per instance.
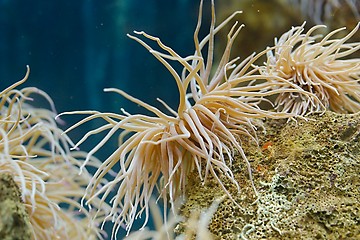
(14, 220)
(306, 173)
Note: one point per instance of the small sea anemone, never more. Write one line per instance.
(57, 212)
(164, 228)
(194, 227)
(321, 11)
(319, 65)
(217, 105)
(36, 153)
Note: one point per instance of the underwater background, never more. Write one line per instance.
(75, 49)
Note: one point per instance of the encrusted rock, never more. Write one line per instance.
(307, 177)
(14, 221)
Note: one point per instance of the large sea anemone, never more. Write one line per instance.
(217, 108)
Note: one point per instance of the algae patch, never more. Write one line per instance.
(307, 177)
(14, 221)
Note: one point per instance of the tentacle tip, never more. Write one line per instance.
(75, 148)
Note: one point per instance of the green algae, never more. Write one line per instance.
(14, 221)
(307, 177)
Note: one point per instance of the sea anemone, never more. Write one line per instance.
(36, 153)
(194, 227)
(217, 105)
(321, 11)
(320, 65)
